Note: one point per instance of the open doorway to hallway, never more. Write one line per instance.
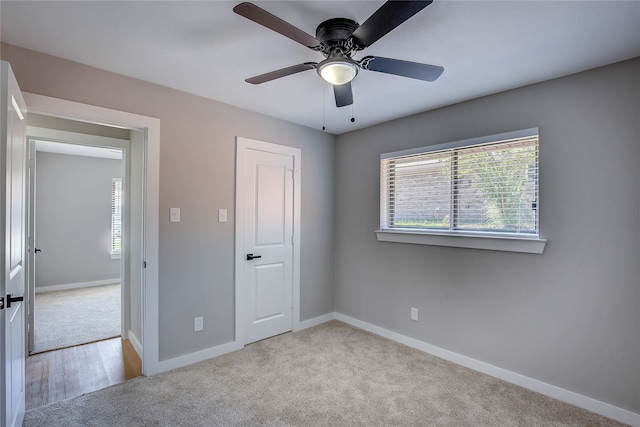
(85, 232)
(77, 233)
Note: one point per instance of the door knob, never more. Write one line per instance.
(252, 256)
(11, 299)
(36, 250)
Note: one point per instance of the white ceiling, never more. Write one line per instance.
(204, 48)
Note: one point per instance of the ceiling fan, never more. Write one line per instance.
(338, 39)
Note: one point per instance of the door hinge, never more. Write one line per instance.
(144, 264)
(1, 303)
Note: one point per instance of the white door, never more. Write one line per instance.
(265, 200)
(12, 233)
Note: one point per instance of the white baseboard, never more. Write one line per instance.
(40, 289)
(198, 356)
(310, 323)
(135, 343)
(550, 390)
(555, 392)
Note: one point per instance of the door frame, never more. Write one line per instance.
(30, 226)
(243, 144)
(151, 127)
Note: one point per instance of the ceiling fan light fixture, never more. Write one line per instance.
(337, 70)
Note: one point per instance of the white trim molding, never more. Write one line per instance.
(550, 390)
(198, 356)
(135, 342)
(208, 353)
(78, 285)
(151, 199)
(533, 245)
(310, 323)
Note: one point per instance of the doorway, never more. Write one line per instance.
(143, 262)
(145, 137)
(76, 231)
(81, 230)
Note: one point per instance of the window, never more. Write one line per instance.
(483, 187)
(116, 217)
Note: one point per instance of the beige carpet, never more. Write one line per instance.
(76, 316)
(330, 375)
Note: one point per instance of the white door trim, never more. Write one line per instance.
(241, 145)
(30, 257)
(151, 126)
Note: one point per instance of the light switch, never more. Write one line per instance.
(198, 324)
(174, 215)
(222, 215)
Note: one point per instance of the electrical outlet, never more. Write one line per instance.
(414, 314)
(198, 324)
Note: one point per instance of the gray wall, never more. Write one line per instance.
(569, 317)
(197, 162)
(73, 219)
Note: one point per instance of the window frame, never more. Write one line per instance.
(116, 254)
(489, 240)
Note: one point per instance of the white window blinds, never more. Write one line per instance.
(485, 185)
(116, 216)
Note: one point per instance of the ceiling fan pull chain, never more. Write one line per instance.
(353, 88)
(324, 91)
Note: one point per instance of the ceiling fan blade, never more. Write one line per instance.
(413, 70)
(344, 94)
(385, 19)
(266, 19)
(266, 77)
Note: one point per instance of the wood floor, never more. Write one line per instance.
(63, 374)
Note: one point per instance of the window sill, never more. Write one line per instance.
(509, 243)
(115, 255)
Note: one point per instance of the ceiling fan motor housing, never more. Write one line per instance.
(335, 36)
